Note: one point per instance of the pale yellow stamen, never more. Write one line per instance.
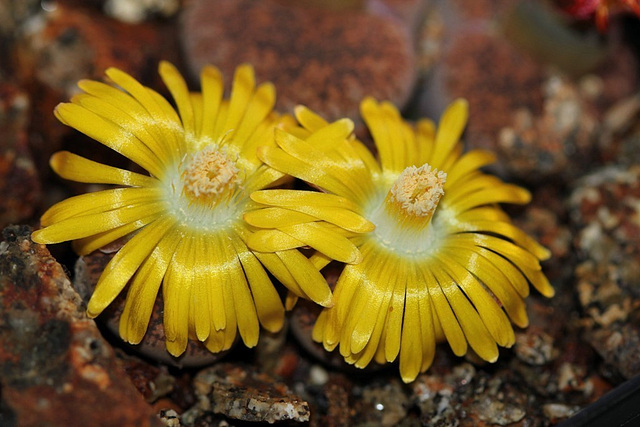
(402, 219)
(207, 174)
(418, 190)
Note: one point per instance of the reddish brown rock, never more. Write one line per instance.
(410, 12)
(19, 180)
(328, 60)
(153, 382)
(55, 365)
(65, 43)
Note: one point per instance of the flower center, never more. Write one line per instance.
(208, 175)
(402, 219)
(415, 195)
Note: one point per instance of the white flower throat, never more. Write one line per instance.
(203, 189)
(402, 219)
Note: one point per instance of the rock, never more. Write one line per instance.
(384, 404)
(534, 347)
(65, 43)
(88, 270)
(241, 393)
(325, 59)
(558, 141)
(136, 11)
(56, 367)
(334, 407)
(153, 382)
(605, 213)
(19, 180)
(618, 348)
(536, 88)
(558, 411)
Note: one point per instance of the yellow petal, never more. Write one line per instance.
(539, 281)
(89, 244)
(468, 185)
(214, 279)
(200, 309)
(505, 193)
(110, 134)
(320, 260)
(520, 257)
(258, 108)
(272, 241)
(372, 115)
(411, 346)
(486, 213)
(507, 230)
(474, 329)
(254, 136)
(99, 202)
(468, 163)
(88, 225)
(343, 218)
(450, 326)
(212, 91)
(323, 240)
(247, 317)
(493, 278)
(393, 334)
(492, 316)
(180, 93)
(164, 125)
(76, 168)
(280, 160)
(427, 329)
(329, 136)
(273, 263)
(425, 137)
(373, 294)
(294, 198)
(276, 217)
(176, 293)
(290, 301)
(307, 276)
(143, 290)
(124, 264)
(128, 121)
(231, 277)
(450, 128)
(241, 91)
(267, 301)
(343, 295)
(309, 119)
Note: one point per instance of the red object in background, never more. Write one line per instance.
(601, 9)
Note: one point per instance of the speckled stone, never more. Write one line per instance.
(605, 208)
(19, 179)
(136, 11)
(66, 42)
(558, 141)
(88, 270)
(56, 367)
(241, 393)
(328, 60)
(541, 122)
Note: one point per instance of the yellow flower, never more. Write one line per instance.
(185, 217)
(444, 261)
